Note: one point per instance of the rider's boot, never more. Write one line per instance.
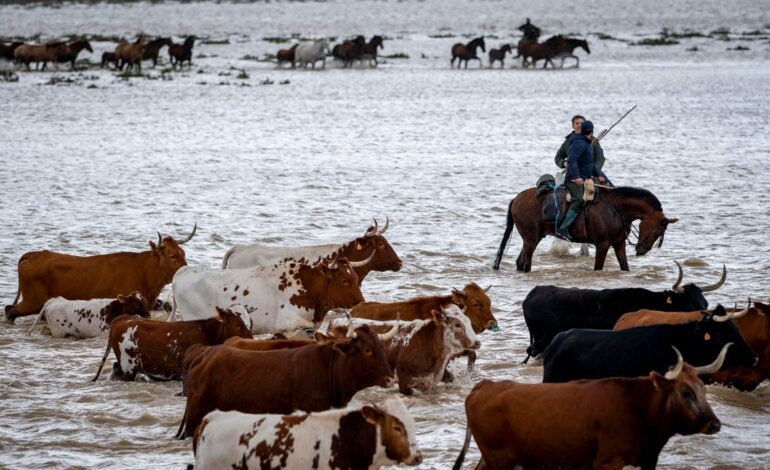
(563, 229)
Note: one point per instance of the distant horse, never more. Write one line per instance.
(286, 55)
(109, 58)
(179, 53)
(607, 223)
(7, 50)
(498, 54)
(152, 49)
(565, 46)
(531, 49)
(130, 53)
(466, 52)
(370, 50)
(350, 51)
(26, 54)
(312, 52)
(69, 52)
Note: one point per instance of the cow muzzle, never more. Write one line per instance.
(389, 381)
(712, 427)
(415, 458)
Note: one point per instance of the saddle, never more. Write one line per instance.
(558, 198)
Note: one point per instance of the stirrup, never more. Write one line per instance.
(563, 235)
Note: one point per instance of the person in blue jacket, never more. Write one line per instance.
(580, 167)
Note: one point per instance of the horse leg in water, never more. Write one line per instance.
(620, 254)
(584, 250)
(601, 255)
(519, 261)
(528, 250)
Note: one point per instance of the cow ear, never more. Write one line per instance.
(658, 381)
(438, 316)
(121, 298)
(220, 314)
(344, 347)
(153, 246)
(372, 414)
(321, 338)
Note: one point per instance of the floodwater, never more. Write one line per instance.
(102, 163)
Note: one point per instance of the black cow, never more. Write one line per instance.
(549, 310)
(595, 354)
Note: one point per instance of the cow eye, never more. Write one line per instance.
(687, 394)
(380, 245)
(171, 257)
(398, 429)
(368, 351)
(458, 326)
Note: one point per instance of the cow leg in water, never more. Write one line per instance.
(620, 254)
(601, 254)
(22, 309)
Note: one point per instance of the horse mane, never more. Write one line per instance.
(553, 39)
(639, 193)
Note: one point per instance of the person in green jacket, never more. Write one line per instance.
(561, 154)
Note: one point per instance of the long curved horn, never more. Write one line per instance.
(716, 365)
(713, 287)
(160, 240)
(487, 289)
(372, 230)
(673, 374)
(743, 312)
(359, 264)
(189, 237)
(676, 287)
(390, 334)
(722, 318)
(385, 227)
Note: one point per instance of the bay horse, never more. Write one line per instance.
(130, 53)
(69, 52)
(466, 52)
(529, 48)
(27, 53)
(152, 49)
(607, 223)
(370, 50)
(498, 54)
(350, 51)
(565, 47)
(286, 55)
(179, 53)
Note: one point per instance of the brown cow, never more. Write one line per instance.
(286, 55)
(752, 322)
(606, 423)
(310, 378)
(157, 348)
(275, 344)
(47, 274)
(472, 300)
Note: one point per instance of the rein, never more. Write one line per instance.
(618, 210)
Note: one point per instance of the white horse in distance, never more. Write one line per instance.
(312, 52)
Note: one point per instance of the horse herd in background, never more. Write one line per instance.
(304, 54)
(130, 54)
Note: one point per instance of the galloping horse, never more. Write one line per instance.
(69, 52)
(130, 53)
(286, 55)
(350, 51)
(498, 54)
(605, 224)
(370, 50)
(311, 52)
(466, 52)
(152, 49)
(566, 46)
(179, 53)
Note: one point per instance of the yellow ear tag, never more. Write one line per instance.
(707, 336)
(359, 246)
(668, 300)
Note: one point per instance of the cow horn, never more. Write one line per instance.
(742, 312)
(723, 318)
(716, 365)
(713, 287)
(391, 333)
(351, 333)
(360, 264)
(385, 227)
(195, 227)
(676, 287)
(333, 264)
(673, 374)
(160, 240)
(487, 289)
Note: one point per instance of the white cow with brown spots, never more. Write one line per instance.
(363, 437)
(88, 318)
(420, 350)
(284, 296)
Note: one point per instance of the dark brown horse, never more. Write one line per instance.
(607, 223)
(350, 51)
(6, 50)
(498, 54)
(370, 50)
(109, 58)
(179, 53)
(68, 52)
(286, 55)
(152, 49)
(564, 48)
(466, 52)
(130, 53)
(531, 49)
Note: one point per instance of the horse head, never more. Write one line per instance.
(376, 42)
(652, 227)
(481, 43)
(584, 44)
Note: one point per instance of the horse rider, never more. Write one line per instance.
(580, 167)
(561, 154)
(531, 32)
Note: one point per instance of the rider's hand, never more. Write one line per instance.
(578, 181)
(601, 179)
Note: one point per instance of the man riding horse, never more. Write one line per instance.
(530, 31)
(580, 167)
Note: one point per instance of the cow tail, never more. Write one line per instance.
(506, 237)
(461, 458)
(180, 432)
(104, 359)
(227, 257)
(39, 316)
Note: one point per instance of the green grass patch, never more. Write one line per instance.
(441, 36)
(655, 42)
(216, 42)
(397, 55)
(276, 39)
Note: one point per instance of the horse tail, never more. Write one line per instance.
(460, 458)
(506, 236)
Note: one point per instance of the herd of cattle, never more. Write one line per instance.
(646, 355)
